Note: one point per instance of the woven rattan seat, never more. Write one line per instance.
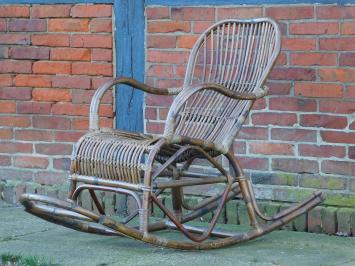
(225, 75)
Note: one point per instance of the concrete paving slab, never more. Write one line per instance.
(26, 235)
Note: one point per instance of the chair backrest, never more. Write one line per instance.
(237, 54)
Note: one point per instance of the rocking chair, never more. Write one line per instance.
(225, 74)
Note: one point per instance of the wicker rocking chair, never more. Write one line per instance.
(226, 72)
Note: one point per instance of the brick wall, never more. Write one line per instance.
(52, 58)
(300, 137)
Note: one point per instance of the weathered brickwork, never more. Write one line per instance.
(52, 58)
(302, 136)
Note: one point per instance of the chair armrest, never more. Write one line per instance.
(96, 99)
(260, 92)
(181, 99)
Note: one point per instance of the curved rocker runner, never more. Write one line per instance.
(226, 73)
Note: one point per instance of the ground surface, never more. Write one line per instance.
(25, 235)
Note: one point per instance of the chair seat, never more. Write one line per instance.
(112, 154)
(121, 155)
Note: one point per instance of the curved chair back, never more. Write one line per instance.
(237, 54)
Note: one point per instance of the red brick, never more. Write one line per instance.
(253, 163)
(281, 59)
(337, 74)
(157, 12)
(192, 13)
(101, 25)
(28, 52)
(293, 74)
(279, 88)
(168, 26)
(337, 44)
(338, 107)
(158, 100)
(33, 108)
(101, 54)
(3, 24)
(349, 92)
(324, 151)
(87, 11)
(85, 97)
(49, 67)
(335, 12)
(314, 59)
(11, 11)
(327, 121)
(50, 39)
(338, 168)
(292, 104)
(51, 178)
(91, 41)
(352, 153)
(15, 121)
(201, 26)
(54, 149)
(86, 68)
(319, 90)
(238, 12)
(347, 28)
(186, 41)
(51, 95)
(279, 119)
(300, 44)
(160, 71)
(352, 126)
(7, 107)
(5, 133)
(61, 164)
(70, 109)
(253, 133)
(71, 82)
(155, 127)
(15, 66)
(292, 134)
(96, 82)
(32, 25)
(295, 165)
(175, 57)
(5, 160)
(33, 135)
(33, 80)
(68, 25)
(338, 137)
(290, 12)
(347, 59)
(5, 80)
(316, 28)
(15, 93)
(271, 148)
(31, 162)
(14, 38)
(15, 147)
(169, 83)
(161, 41)
(68, 136)
(51, 122)
(239, 147)
(50, 11)
(70, 54)
(80, 124)
(151, 113)
(259, 104)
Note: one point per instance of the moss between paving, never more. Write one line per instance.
(27, 236)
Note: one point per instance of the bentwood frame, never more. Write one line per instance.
(226, 73)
